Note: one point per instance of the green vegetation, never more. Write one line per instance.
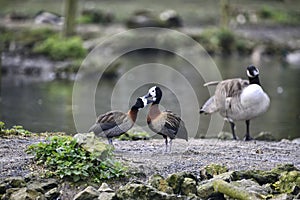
(212, 170)
(65, 158)
(288, 182)
(25, 37)
(216, 40)
(61, 48)
(95, 16)
(278, 16)
(15, 130)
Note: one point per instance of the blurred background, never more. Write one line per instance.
(43, 44)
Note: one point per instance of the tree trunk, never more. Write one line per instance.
(224, 13)
(69, 28)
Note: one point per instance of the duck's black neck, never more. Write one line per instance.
(157, 101)
(254, 80)
(134, 108)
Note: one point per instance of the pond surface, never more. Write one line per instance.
(47, 106)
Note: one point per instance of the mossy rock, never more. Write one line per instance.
(263, 177)
(158, 182)
(132, 191)
(92, 144)
(212, 170)
(175, 180)
(189, 187)
(289, 182)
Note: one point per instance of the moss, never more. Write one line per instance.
(263, 177)
(158, 182)
(212, 170)
(288, 182)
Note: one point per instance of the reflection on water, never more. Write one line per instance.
(48, 106)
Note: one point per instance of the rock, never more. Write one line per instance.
(3, 188)
(104, 188)
(232, 191)
(47, 184)
(107, 196)
(265, 136)
(26, 194)
(92, 144)
(225, 136)
(296, 141)
(133, 191)
(170, 18)
(205, 190)
(96, 16)
(88, 193)
(263, 177)
(253, 187)
(212, 170)
(158, 182)
(289, 182)
(175, 180)
(284, 196)
(189, 187)
(52, 194)
(146, 18)
(43, 17)
(106, 193)
(15, 182)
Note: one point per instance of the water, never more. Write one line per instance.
(47, 106)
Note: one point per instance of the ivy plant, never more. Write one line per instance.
(65, 158)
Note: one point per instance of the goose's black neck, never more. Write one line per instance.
(254, 80)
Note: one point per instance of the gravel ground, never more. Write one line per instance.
(190, 156)
(149, 156)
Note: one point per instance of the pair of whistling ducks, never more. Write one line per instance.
(234, 99)
(165, 123)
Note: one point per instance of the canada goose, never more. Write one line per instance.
(115, 123)
(164, 123)
(237, 99)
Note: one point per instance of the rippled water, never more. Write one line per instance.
(47, 106)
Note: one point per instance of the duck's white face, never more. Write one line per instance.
(145, 101)
(152, 92)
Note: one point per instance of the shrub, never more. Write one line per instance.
(217, 40)
(61, 48)
(15, 130)
(279, 16)
(63, 157)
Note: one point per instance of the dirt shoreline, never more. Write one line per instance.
(148, 155)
